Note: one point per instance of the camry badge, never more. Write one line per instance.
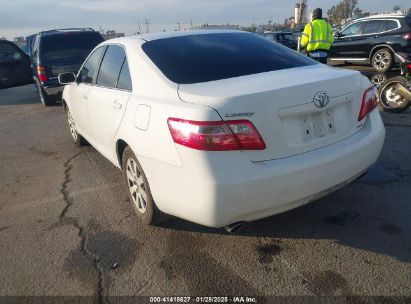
(321, 100)
(248, 114)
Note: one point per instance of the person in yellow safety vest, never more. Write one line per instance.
(318, 37)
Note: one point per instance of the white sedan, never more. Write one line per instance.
(222, 127)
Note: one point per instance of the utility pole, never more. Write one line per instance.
(179, 26)
(191, 24)
(139, 28)
(147, 23)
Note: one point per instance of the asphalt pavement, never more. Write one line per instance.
(67, 229)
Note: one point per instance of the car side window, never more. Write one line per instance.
(9, 53)
(390, 25)
(89, 71)
(353, 29)
(111, 66)
(373, 27)
(124, 80)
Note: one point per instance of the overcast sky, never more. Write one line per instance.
(23, 17)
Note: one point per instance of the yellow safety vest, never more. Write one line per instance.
(317, 35)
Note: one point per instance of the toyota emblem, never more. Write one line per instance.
(321, 100)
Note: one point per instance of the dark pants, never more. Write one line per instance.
(322, 60)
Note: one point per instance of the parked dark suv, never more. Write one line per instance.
(58, 51)
(14, 66)
(373, 40)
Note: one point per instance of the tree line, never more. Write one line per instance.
(346, 9)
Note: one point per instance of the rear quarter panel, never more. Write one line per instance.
(160, 97)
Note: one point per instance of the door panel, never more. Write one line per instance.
(350, 43)
(79, 91)
(106, 109)
(78, 107)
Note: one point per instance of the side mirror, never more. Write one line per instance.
(67, 78)
(339, 35)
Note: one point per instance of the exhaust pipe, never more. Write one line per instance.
(403, 91)
(234, 227)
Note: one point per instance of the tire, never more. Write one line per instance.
(378, 79)
(45, 99)
(78, 140)
(388, 100)
(139, 192)
(382, 60)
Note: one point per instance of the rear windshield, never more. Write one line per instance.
(409, 21)
(68, 46)
(209, 57)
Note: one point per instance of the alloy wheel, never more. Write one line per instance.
(382, 59)
(72, 126)
(136, 185)
(378, 79)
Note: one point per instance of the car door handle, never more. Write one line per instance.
(116, 105)
(84, 96)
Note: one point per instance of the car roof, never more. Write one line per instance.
(66, 30)
(164, 35)
(383, 16)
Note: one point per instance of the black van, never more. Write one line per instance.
(59, 51)
(14, 66)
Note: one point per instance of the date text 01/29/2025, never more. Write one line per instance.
(239, 299)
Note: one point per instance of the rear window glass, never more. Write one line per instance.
(68, 46)
(209, 57)
(390, 25)
(9, 53)
(409, 21)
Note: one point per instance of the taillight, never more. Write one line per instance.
(409, 66)
(369, 102)
(41, 72)
(407, 36)
(216, 135)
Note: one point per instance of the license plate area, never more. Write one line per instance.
(317, 125)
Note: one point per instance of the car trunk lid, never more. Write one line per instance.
(280, 105)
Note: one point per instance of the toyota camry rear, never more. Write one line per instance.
(228, 127)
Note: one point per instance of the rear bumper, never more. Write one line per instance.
(216, 189)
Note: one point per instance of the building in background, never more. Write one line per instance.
(301, 13)
(111, 34)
